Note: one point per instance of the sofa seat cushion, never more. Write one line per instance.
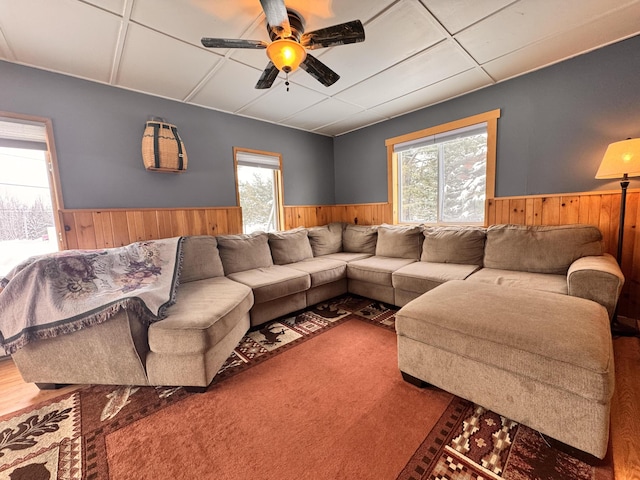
(347, 256)
(204, 312)
(322, 270)
(535, 281)
(421, 277)
(376, 269)
(273, 282)
(525, 332)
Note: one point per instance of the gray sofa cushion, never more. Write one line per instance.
(347, 256)
(322, 270)
(462, 245)
(326, 239)
(399, 241)
(244, 252)
(421, 277)
(376, 269)
(359, 239)
(273, 282)
(289, 246)
(527, 280)
(540, 249)
(200, 259)
(203, 314)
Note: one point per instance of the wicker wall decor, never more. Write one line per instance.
(162, 147)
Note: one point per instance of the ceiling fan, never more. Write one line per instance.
(287, 51)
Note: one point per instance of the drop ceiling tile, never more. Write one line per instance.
(115, 6)
(408, 20)
(279, 104)
(609, 28)
(351, 123)
(190, 20)
(158, 64)
(230, 88)
(323, 113)
(434, 65)
(65, 36)
(456, 15)
(452, 87)
(528, 21)
(324, 13)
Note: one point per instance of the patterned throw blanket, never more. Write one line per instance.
(60, 293)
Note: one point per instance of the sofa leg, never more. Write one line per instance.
(413, 380)
(192, 389)
(50, 386)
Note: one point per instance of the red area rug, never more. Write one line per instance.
(315, 396)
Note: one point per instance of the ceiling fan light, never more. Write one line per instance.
(286, 55)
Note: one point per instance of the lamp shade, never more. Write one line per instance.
(621, 158)
(286, 55)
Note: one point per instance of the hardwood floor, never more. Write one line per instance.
(625, 413)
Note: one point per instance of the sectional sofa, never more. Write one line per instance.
(234, 282)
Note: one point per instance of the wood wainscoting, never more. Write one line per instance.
(362, 214)
(117, 227)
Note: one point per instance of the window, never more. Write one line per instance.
(444, 174)
(28, 200)
(259, 190)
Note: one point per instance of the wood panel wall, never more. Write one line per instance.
(112, 228)
(362, 214)
(118, 227)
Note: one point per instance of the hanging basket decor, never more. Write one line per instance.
(162, 148)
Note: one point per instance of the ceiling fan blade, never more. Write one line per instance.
(319, 71)
(232, 43)
(350, 32)
(268, 76)
(277, 17)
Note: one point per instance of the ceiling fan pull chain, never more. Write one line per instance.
(286, 82)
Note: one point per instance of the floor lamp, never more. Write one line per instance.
(621, 161)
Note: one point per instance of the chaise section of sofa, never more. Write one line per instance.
(209, 318)
(186, 348)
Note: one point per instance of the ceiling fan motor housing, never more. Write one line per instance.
(297, 26)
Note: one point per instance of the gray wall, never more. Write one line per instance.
(98, 131)
(555, 126)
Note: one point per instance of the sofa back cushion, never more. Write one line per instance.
(244, 252)
(399, 241)
(200, 259)
(540, 249)
(326, 239)
(290, 246)
(461, 245)
(359, 239)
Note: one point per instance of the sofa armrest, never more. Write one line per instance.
(596, 278)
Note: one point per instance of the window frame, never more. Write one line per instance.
(278, 183)
(51, 157)
(490, 118)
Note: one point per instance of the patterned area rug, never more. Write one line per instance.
(65, 437)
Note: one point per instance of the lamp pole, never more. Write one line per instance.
(624, 183)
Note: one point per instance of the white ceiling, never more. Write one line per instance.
(417, 52)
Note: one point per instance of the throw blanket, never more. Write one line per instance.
(60, 293)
